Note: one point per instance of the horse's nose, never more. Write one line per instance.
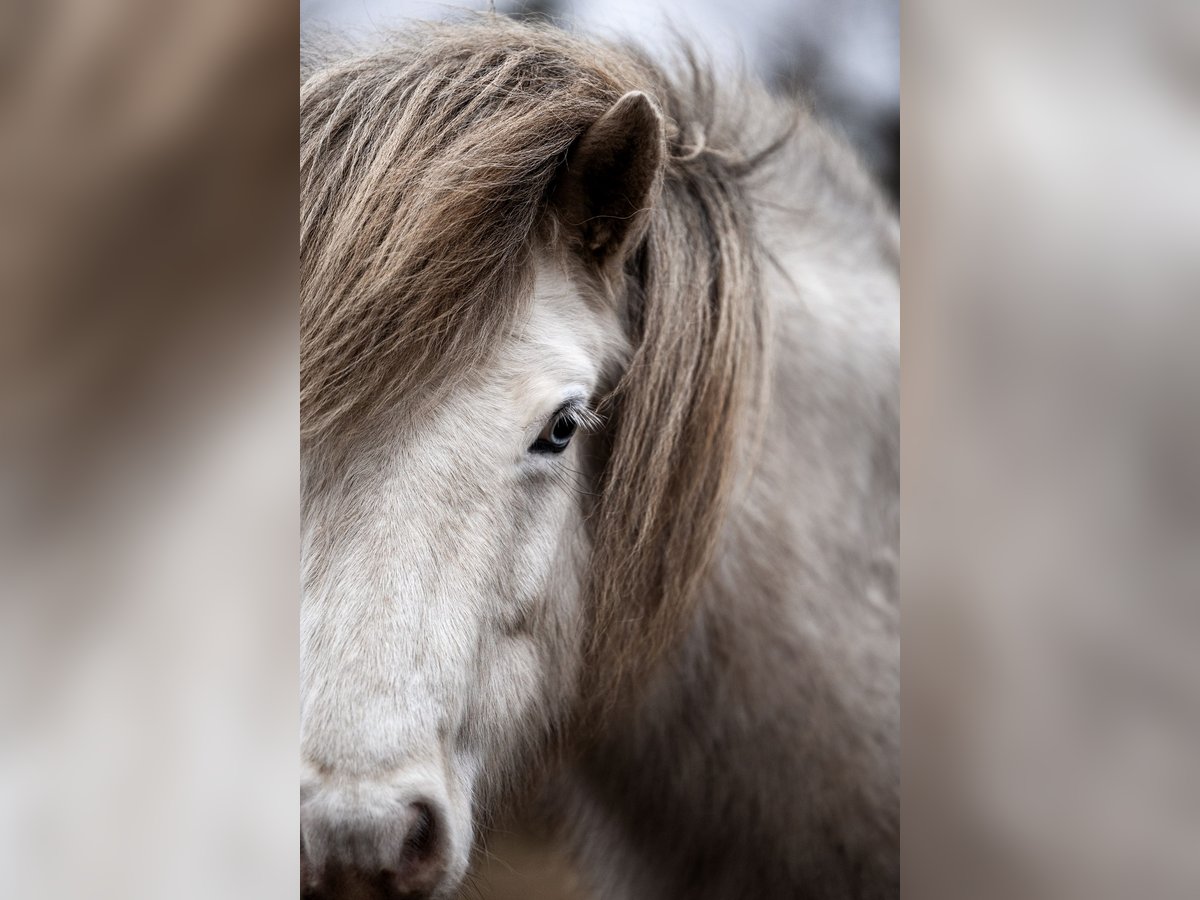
(395, 852)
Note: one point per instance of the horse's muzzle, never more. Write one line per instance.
(373, 843)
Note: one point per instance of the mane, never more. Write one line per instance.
(426, 168)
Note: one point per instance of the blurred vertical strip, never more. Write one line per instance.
(1051, 167)
(148, 449)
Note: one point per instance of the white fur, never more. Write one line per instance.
(421, 560)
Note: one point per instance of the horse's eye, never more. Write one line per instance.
(557, 434)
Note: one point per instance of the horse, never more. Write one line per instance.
(600, 472)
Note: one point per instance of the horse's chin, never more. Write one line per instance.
(453, 880)
(344, 883)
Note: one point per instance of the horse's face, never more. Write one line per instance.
(441, 623)
(446, 551)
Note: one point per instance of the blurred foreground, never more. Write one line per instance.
(148, 451)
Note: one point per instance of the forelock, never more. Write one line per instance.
(425, 168)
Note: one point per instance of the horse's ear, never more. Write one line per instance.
(612, 176)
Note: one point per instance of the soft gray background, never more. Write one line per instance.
(843, 54)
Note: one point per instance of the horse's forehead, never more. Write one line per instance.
(562, 344)
(565, 333)
(559, 346)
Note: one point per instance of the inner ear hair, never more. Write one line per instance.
(612, 176)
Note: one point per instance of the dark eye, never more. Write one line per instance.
(558, 432)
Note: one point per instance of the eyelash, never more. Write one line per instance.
(581, 414)
(576, 415)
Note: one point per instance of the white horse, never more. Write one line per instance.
(600, 387)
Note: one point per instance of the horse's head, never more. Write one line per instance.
(446, 547)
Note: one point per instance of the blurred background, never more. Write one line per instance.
(1051, 433)
(842, 56)
(1051, 427)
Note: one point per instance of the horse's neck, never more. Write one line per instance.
(764, 754)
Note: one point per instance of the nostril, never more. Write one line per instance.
(422, 835)
(423, 856)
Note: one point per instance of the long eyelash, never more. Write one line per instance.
(570, 486)
(571, 481)
(582, 415)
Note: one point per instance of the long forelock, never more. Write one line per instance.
(425, 169)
